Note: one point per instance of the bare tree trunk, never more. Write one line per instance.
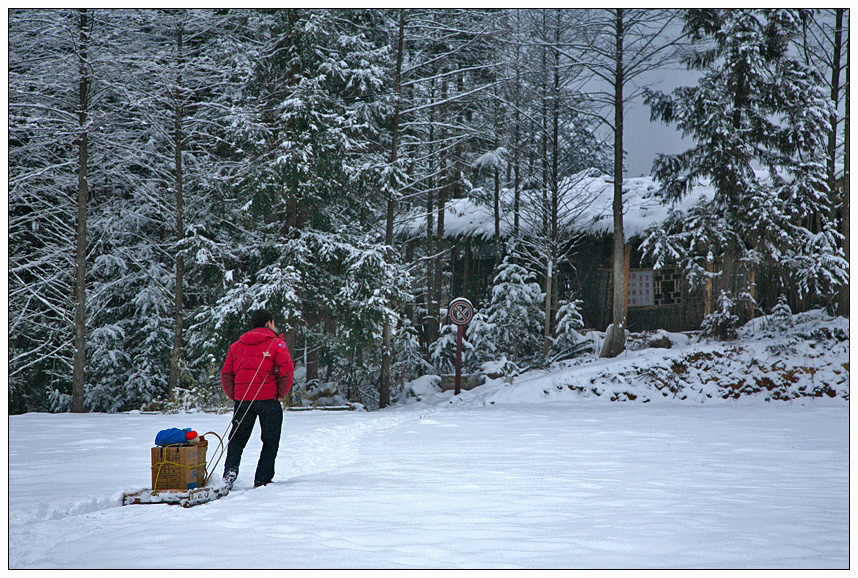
(843, 308)
(442, 207)
(430, 321)
(180, 225)
(79, 370)
(835, 98)
(555, 193)
(384, 384)
(440, 246)
(618, 343)
(546, 332)
(516, 148)
(497, 215)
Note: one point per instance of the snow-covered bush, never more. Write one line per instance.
(324, 394)
(502, 367)
(419, 389)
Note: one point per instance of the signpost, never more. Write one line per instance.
(461, 312)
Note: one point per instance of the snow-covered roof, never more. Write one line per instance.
(590, 192)
(642, 207)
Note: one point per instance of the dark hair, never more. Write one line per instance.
(260, 317)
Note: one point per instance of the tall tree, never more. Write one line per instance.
(844, 290)
(393, 192)
(445, 78)
(184, 89)
(175, 74)
(619, 46)
(85, 86)
(821, 47)
(178, 146)
(754, 104)
(316, 152)
(55, 103)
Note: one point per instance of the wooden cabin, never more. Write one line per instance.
(655, 299)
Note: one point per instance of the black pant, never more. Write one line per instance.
(270, 414)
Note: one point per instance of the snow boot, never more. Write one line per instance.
(229, 478)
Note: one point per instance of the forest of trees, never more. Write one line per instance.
(172, 170)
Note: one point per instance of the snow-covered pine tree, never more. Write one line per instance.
(442, 352)
(171, 74)
(781, 316)
(516, 312)
(566, 336)
(754, 104)
(311, 158)
(480, 335)
(723, 322)
(408, 362)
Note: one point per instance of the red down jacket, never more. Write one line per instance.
(247, 358)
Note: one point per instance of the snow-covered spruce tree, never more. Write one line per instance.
(516, 312)
(442, 351)
(781, 316)
(184, 91)
(723, 322)
(408, 362)
(131, 313)
(373, 288)
(754, 104)
(308, 115)
(566, 336)
(480, 336)
(312, 159)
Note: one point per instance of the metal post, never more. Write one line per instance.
(460, 334)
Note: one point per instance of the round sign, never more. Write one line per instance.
(461, 311)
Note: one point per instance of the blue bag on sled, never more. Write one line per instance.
(172, 436)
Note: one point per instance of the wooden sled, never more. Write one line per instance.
(184, 498)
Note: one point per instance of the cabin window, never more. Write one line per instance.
(649, 288)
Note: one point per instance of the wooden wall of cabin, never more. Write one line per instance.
(472, 264)
(587, 276)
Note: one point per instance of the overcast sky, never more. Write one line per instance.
(643, 139)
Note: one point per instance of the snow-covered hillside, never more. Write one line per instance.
(542, 472)
(806, 356)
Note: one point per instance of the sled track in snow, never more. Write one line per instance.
(43, 512)
(327, 449)
(303, 453)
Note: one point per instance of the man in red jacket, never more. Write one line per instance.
(249, 379)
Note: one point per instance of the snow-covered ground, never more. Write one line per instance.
(537, 473)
